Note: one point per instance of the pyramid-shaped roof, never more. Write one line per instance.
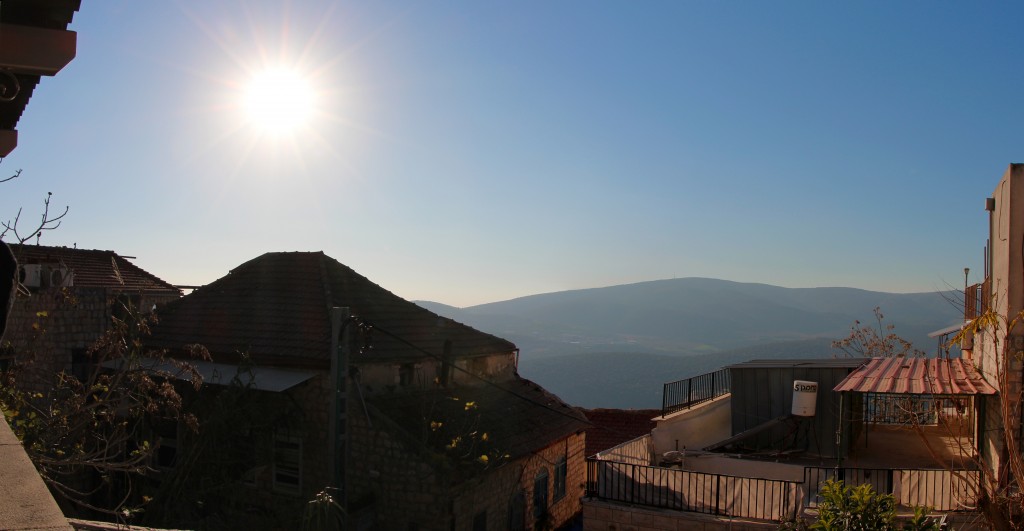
(276, 308)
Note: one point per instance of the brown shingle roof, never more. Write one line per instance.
(612, 427)
(95, 269)
(518, 415)
(276, 308)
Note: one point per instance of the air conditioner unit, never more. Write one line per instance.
(30, 275)
(61, 277)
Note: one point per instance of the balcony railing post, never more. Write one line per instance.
(718, 492)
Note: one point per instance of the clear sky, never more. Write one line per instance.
(468, 152)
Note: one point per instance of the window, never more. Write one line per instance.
(166, 432)
(517, 512)
(406, 374)
(80, 364)
(480, 521)
(479, 366)
(447, 367)
(540, 494)
(561, 468)
(287, 464)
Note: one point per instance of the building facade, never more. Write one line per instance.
(411, 420)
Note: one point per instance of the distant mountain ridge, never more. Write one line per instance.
(695, 315)
(613, 346)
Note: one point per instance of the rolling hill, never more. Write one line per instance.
(610, 338)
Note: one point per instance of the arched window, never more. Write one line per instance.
(540, 493)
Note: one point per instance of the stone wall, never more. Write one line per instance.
(493, 494)
(48, 326)
(45, 328)
(413, 488)
(384, 472)
(425, 372)
(314, 399)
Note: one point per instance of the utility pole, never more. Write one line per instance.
(341, 341)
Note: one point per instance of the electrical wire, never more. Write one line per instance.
(422, 350)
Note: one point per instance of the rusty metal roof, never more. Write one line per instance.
(916, 376)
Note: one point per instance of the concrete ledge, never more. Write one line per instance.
(25, 502)
(601, 515)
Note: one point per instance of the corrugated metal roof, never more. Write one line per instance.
(259, 378)
(916, 376)
(821, 363)
(948, 330)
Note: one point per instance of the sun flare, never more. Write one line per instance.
(279, 101)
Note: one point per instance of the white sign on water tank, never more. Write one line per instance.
(805, 396)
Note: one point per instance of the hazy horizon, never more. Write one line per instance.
(470, 153)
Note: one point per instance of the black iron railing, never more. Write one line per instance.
(940, 489)
(687, 393)
(699, 492)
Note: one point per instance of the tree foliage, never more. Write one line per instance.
(876, 340)
(1001, 498)
(88, 435)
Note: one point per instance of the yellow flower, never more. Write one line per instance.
(470, 405)
(435, 425)
(483, 459)
(42, 314)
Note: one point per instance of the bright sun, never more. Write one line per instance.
(279, 101)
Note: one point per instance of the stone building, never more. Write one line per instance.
(992, 345)
(424, 420)
(65, 303)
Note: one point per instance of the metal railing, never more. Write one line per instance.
(684, 394)
(699, 492)
(767, 499)
(940, 489)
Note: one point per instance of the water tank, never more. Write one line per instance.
(805, 396)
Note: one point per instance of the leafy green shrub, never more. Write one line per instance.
(860, 508)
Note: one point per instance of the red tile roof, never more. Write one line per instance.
(518, 415)
(611, 427)
(916, 376)
(276, 308)
(95, 269)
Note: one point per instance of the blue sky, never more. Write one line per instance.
(468, 152)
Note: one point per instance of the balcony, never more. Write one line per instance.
(627, 475)
(719, 452)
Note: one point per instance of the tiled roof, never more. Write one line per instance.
(95, 269)
(916, 376)
(519, 416)
(276, 308)
(612, 427)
